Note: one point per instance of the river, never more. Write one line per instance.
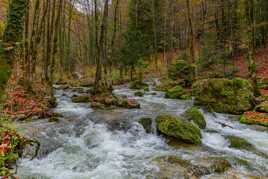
(111, 144)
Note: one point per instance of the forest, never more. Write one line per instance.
(133, 89)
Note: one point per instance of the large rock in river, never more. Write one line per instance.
(179, 129)
(224, 95)
(193, 114)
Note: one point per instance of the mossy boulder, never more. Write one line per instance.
(240, 143)
(146, 122)
(139, 93)
(165, 84)
(263, 107)
(257, 118)
(224, 95)
(193, 114)
(177, 92)
(139, 85)
(179, 129)
(80, 99)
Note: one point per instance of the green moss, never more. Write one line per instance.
(181, 130)
(181, 70)
(5, 72)
(15, 21)
(10, 157)
(80, 99)
(224, 95)
(239, 143)
(263, 107)
(139, 93)
(177, 92)
(146, 123)
(53, 119)
(193, 114)
(138, 85)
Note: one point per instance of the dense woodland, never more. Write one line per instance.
(105, 43)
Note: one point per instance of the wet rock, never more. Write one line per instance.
(138, 85)
(224, 95)
(170, 167)
(97, 105)
(240, 143)
(130, 104)
(257, 118)
(193, 114)
(263, 107)
(181, 130)
(78, 90)
(53, 119)
(174, 167)
(80, 99)
(109, 101)
(153, 93)
(177, 92)
(86, 83)
(197, 171)
(234, 174)
(220, 165)
(52, 102)
(146, 122)
(63, 87)
(139, 93)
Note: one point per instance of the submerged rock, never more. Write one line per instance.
(138, 85)
(240, 143)
(224, 95)
(103, 101)
(193, 114)
(177, 92)
(174, 167)
(181, 130)
(139, 93)
(257, 118)
(80, 99)
(146, 122)
(52, 102)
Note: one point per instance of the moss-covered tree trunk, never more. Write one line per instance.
(15, 21)
(13, 33)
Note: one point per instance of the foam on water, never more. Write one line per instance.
(100, 153)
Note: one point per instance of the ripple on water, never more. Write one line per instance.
(94, 151)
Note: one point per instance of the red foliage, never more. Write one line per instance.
(256, 116)
(261, 61)
(20, 103)
(5, 143)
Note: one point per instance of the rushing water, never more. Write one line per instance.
(111, 144)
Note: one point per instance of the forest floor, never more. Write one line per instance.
(262, 68)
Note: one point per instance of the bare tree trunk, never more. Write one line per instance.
(191, 39)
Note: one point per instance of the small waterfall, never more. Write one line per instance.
(89, 143)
